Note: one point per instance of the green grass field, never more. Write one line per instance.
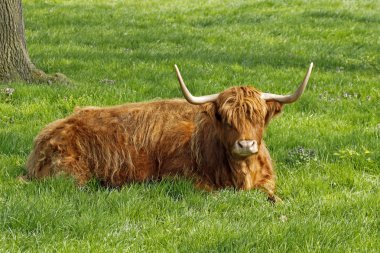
(326, 146)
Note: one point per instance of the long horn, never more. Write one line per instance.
(287, 99)
(190, 98)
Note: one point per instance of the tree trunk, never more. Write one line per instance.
(15, 64)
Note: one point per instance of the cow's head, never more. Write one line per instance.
(241, 114)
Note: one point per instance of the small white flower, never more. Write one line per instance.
(9, 91)
(283, 218)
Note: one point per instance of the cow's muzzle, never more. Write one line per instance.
(245, 148)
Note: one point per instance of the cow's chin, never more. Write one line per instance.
(244, 153)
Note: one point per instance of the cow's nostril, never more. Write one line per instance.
(246, 144)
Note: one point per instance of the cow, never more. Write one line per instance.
(216, 141)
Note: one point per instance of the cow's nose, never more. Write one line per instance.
(245, 148)
(246, 144)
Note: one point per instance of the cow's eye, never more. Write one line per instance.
(218, 116)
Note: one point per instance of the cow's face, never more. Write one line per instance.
(241, 115)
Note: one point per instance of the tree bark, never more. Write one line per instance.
(15, 64)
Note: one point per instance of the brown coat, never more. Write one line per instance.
(147, 141)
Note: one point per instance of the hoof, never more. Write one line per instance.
(275, 199)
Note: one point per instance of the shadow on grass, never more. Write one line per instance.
(179, 40)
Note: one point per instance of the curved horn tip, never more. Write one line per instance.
(188, 96)
(287, 99)
(311, 65)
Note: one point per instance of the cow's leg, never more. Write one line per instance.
(265, 183)
(269, 188)
(264, 177)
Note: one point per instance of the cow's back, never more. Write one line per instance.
(115, 144)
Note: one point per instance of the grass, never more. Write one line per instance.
(326, 146)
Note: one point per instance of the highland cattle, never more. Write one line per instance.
(214, 140)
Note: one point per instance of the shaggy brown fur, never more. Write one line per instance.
(147, 141)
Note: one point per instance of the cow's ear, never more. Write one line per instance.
(211, 111)
(273, 108)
